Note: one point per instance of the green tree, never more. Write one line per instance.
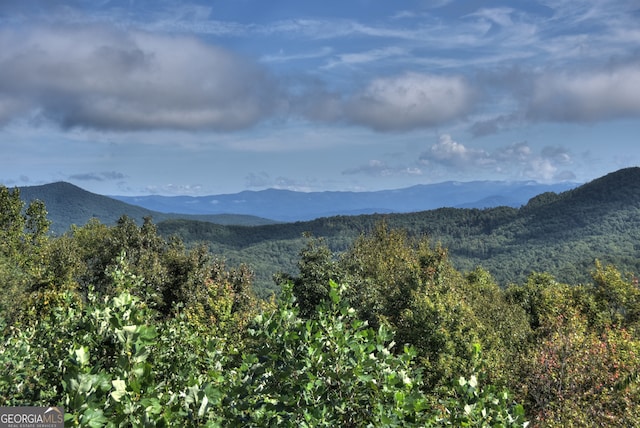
(335, 370)
(23, 249)
(503, 326)
(543, 299)
(412, 287)
(316, 267)
(618, 298)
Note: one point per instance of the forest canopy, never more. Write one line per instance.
(561, 234)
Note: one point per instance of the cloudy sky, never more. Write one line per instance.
(196, 97)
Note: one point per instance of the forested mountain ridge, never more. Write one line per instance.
(565, 233)
(68, 204)
(562, 234)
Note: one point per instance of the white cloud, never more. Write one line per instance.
(98, 176)
(374, 167)
(514, 153)
(450, 153)
(398, 103)
(514, 160)
(450, 158)
(558, 155)
(260, 179)
(284, 57)
(410, 101)
(540, 169)
(106, 79)
(586, 97)
(367, 56)
(113, 77)
(405, 14)
(500, 16)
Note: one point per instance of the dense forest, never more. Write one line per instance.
(123, 326)
(562, 234)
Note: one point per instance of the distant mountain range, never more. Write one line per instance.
(288, 206)
(68, 204)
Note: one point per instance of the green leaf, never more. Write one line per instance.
(147, 334)
(120, 389)
(473, 381)
(203, 406)
(82, 355)
(93, 418)
(152, 406)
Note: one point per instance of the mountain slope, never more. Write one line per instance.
(68, 204)
(558, 233)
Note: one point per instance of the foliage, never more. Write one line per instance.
(405, 283)
(559, 234)
(111, 362)
(503, 327)
(579, 377)
(105, 363)
(469, 402)
(332, 370)
(123, 327)
(580, 365)
(23, 245)
(618, 297)
(317, 268)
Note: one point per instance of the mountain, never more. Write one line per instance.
(285, 205)
(560, 233)
(68, 204)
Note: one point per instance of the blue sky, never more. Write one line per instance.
(135, 97)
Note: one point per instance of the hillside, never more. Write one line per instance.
(558, 233)
(68, 204)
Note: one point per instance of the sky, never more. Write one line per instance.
(133, 97)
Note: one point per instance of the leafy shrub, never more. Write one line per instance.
(577, 377)
(332, 370)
